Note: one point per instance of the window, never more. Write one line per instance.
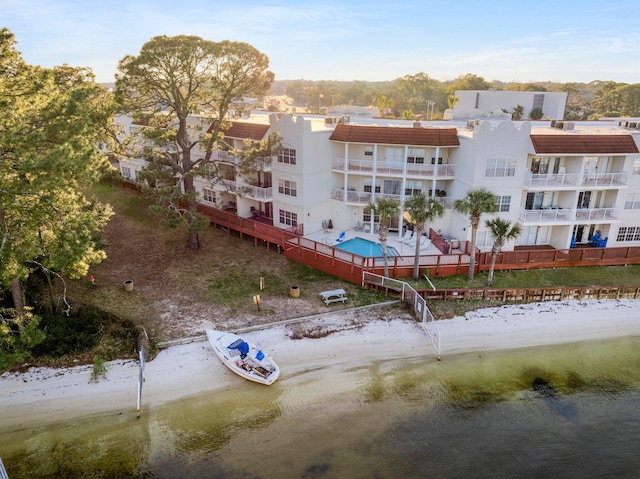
(500, 168)
(504, 203)
(391, 187)
(484, 239)
(287, 187)
(366, 216)
(287, 156)
(539, 166)
(415, 156)
(394, 155)
(209, 170)
(636, 167)
(126, 172)
(629, 233)
(368, 151)
(368, 186)
(288, 218)
(208, 195)
(633, 202)
(412, 188)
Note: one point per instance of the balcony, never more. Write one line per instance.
(605, 179)
(351, 196)
(561, 180)
(359, 197)
(364, 197)
(548, 215)
(225, 156)
(394, 168)
(569, 215)
(244, 189)
(570, 180)
(256, 192)
(261, 164)
(606, 215)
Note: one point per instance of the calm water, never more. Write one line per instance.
(475, 415)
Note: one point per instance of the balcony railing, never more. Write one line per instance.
(394, 168)
(262, 164)
(551, 181)
(551, 215)
(365, 197)
(360, 197)
(244, 189)
(574, 180)
(597, 214)
(605, 179)
(351, 196)
(221, 155)
(565, 215)
(255, 192)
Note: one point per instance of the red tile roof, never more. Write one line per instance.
(583, 144)
(242, 130)
(396, 135)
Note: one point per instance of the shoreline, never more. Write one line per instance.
(43, 396)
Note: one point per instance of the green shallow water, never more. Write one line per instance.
(472, 415)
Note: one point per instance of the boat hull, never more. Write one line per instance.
(246, 360)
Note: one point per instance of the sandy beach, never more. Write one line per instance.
(43, 395)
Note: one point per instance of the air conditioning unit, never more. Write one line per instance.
(568, 125)
(553, 123)
(470, 124)
(330, 121)
(560, 125)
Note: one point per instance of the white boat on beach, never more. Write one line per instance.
(243, 357)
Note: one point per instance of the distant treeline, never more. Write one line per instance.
(420, 96)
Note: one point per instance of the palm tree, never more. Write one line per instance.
(501, 231)
(452, 100)
(384, 104)
(421, 210)
(518, 111)
(384, 208)
(476, 202)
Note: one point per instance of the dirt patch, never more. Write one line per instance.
(179, 292)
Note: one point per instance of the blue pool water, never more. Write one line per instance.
(366, 248)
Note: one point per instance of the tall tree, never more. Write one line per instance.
(384, 208)
(416, 90)
(187, 76)
(476, 202)
(421, 211)
(51, 122)
(468, 82)
(501, 231)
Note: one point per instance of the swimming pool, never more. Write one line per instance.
(366, 248)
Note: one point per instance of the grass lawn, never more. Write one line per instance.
(177, 290)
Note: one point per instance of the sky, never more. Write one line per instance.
(373, 40)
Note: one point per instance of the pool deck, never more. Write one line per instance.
(393, 239)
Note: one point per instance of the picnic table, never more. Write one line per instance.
(334, 296)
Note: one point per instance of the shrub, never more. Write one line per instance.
(536, 114)
(18, 337)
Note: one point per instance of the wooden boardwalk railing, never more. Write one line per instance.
(533, 294)
(350, 266)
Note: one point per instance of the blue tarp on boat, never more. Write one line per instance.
(240, 345)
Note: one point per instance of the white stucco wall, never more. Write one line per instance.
(483, 103)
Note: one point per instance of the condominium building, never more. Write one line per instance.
(564, 182)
